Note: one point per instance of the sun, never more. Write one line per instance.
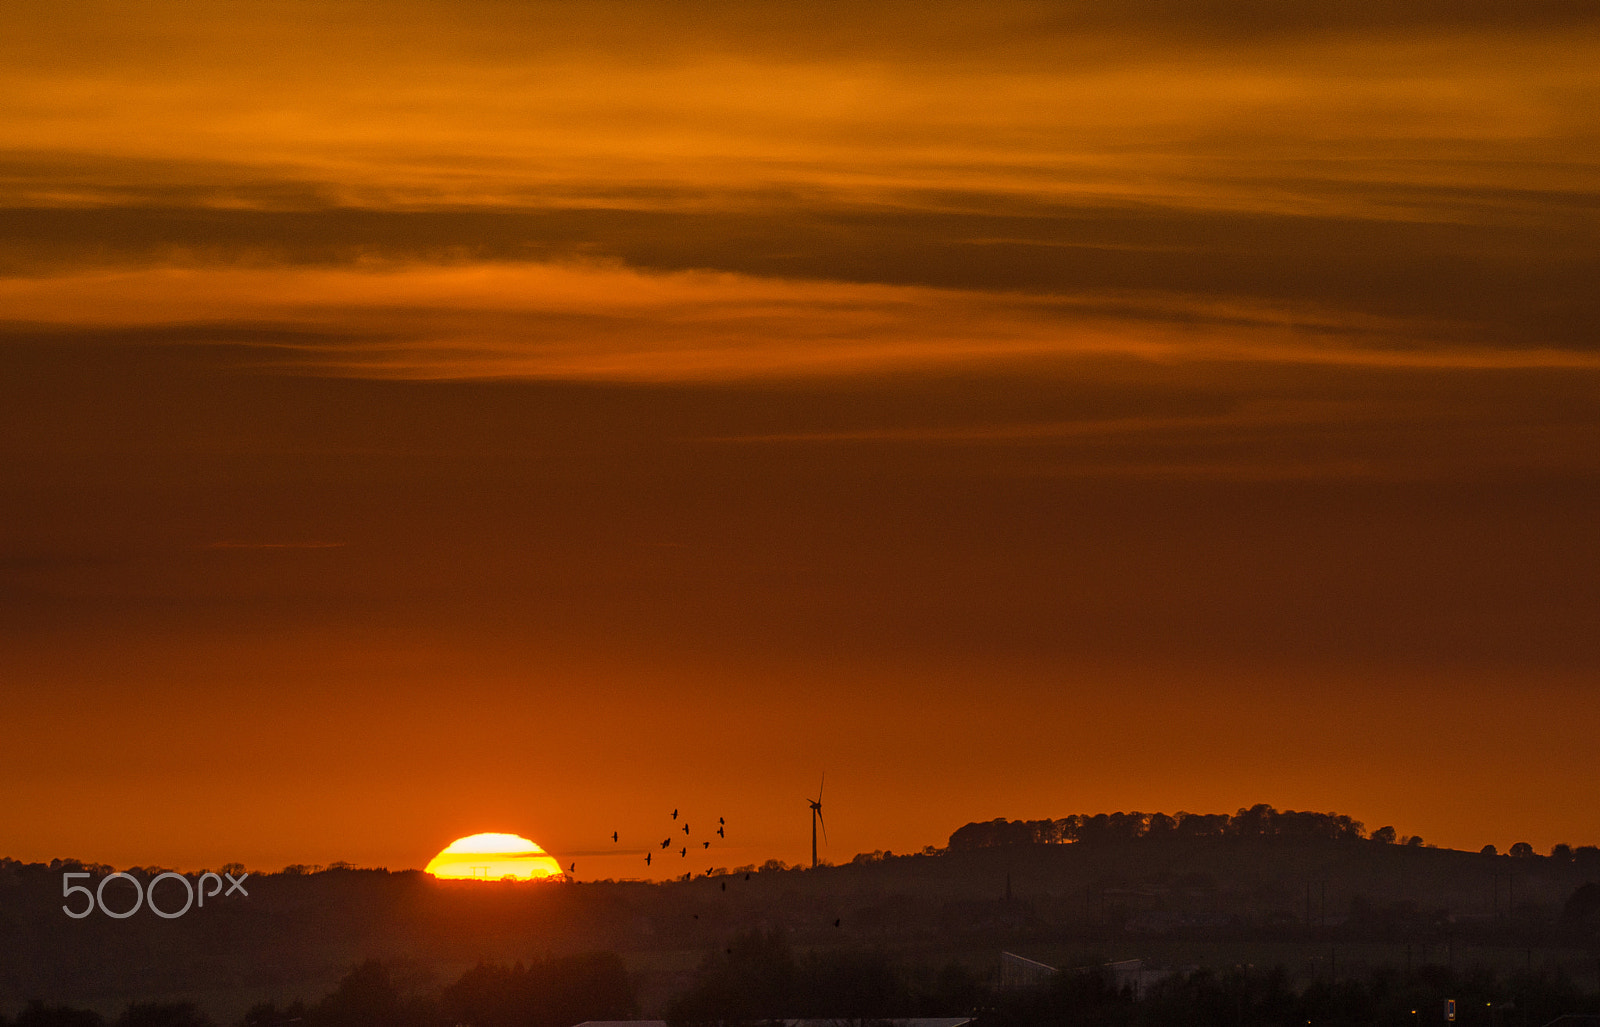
(493, 857)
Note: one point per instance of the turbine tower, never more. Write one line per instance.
(816, 818)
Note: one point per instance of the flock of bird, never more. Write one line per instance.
(683, 853)
(722, 825)
(666, 843)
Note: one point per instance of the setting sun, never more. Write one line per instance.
(493, 857)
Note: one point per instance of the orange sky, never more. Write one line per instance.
(443, 418)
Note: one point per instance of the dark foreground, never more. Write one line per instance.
(1262, 918)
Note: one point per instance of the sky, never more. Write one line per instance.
(425, 419)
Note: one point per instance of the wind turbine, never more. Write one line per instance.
(816, 818)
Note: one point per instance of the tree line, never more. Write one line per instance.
(554, 992)
(757, 978)
(1259, 821)
(1249, 996)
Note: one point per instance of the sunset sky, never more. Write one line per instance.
(423, 419)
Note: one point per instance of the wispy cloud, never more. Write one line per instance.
(605, 321)
(1398, 186)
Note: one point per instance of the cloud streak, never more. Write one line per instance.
(611, 322)
(1400, 187)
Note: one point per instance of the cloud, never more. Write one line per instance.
(608, 322)
(1503, 283)
(737, 193)
(484, 105)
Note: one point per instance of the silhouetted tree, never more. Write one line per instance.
(551, 993)
(1245, 995)
(37, 1014)
(163, 1014)
(367, 996)
(1582, 908)
(752, 979)
(1384, 836)
(757, 978)
(851, 985)
(1202, 825)
(1488, 850)
(1255, 822)
(267, 1014)
(1522, 850)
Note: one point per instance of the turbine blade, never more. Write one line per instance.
(824, 823)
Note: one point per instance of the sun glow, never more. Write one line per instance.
(493, 857)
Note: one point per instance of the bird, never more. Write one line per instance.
(666, 842)
(705, 845)
(724, 885)
(720, 834)
(710, 871)
(836, 923)
(686, 827)
(747, 877)
(674, 814)
(613, 836)
(685, 851)
(647, 859)
(572, 869)
(721, 821)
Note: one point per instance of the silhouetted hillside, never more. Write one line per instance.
(1260, 886)
(1257, 822)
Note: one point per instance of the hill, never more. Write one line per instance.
(1260, 886)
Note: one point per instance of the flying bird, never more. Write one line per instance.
(613, 836)
(721, 821)
(674, 814)
(685, 851)
(647, 859)
(706, 845)
(720, 834)
(724, 885)
(572, 869)
(836, 923)
(686, 828)
(666, 842)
